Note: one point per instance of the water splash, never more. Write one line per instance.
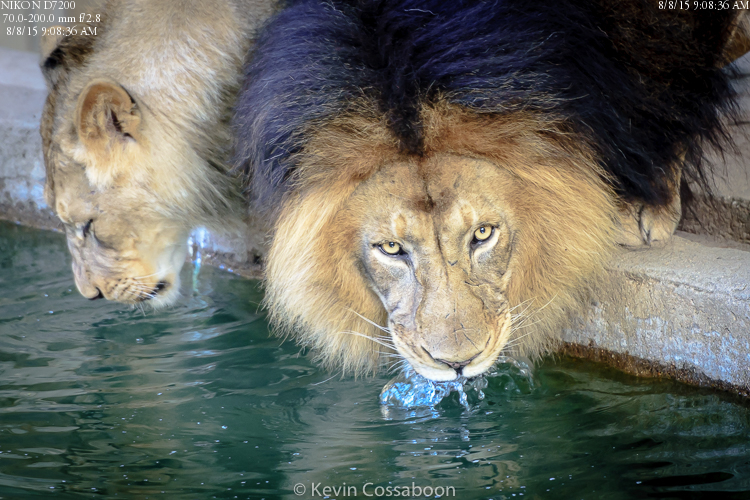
(411, 390)
(196, 242)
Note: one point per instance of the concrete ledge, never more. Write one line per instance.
(682, 311)
(684, 308)
(22, 94)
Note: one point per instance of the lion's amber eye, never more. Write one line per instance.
(391, 248)
(483, 233)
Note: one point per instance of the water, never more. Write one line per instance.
(410, 390)
(101, 401)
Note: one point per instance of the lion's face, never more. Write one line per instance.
(438, 252)
(485, 242)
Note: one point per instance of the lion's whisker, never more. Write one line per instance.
(524, 325)
(376, 340)
(548, 303)
(520, 304)
(515, 341)
(524, 319)
(385, 329)
(521, 316)
(391, 355)
(326, 380)
(136, 278)
(400, 365)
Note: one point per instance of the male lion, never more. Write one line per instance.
(446, 179)
(135, 136)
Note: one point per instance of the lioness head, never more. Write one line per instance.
(125, 246)
(124, 178)
(446, 258)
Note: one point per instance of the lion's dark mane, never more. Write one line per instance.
(640, 84)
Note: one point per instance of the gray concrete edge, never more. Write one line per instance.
(684, 308)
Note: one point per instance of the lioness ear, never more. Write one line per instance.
(107, 118)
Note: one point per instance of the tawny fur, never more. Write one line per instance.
(136, 137)
(383, 136)
(316, 287)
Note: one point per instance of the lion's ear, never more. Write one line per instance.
(107, 119)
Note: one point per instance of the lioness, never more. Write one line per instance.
(448, 178)
(135, 136)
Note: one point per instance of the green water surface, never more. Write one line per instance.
(98, 400)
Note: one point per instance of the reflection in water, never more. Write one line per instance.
(199, 401)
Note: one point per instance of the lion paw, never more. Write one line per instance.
(644, 226)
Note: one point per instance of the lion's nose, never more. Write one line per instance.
(457, 365)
